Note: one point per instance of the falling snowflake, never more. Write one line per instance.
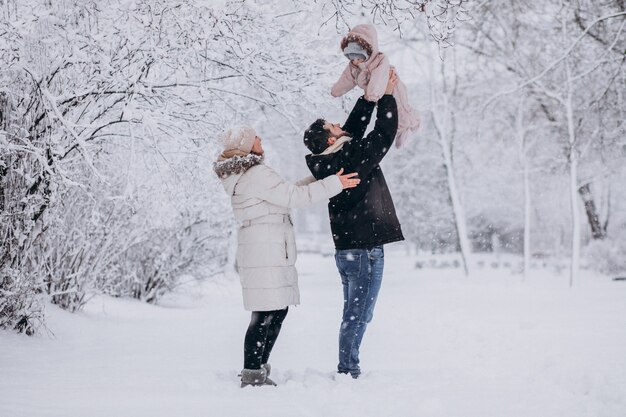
(389, 115)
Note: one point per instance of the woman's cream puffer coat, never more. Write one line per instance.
(266, 247)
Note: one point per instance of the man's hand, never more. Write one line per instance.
(393, 80)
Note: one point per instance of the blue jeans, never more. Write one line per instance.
(361, 273)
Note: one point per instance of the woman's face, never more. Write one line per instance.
(257, 148)
(358, 61)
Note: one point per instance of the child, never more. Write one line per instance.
(369, 69)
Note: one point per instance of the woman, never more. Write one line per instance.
(266, 249)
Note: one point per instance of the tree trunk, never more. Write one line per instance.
(527, 209)
(575, 261)
(444, 124)
(598, 231)
(5, 109)
(457, 208)
(573, 171)
(523, 152)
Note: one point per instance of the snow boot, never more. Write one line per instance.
(268, 368)
(255, 377)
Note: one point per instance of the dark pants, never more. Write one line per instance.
(260, 337)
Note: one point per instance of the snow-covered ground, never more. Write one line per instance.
(440, 345)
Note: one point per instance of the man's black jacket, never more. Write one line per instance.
(364, 216)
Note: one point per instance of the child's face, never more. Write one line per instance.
(357, 61)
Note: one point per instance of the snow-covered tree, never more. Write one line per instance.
(109, 116)
(571, 75)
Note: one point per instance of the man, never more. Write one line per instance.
(363, 218)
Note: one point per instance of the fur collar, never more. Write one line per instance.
(237, 164)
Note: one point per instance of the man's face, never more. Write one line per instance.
(334, 129)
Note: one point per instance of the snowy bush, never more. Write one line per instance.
(495, 236)
(607, 256)
(153, 262)
(21, 306)
(25, 192)
(87, 93)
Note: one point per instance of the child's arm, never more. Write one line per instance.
(344, 84)
(378, 81)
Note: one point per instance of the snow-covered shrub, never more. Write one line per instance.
(21, 306)
(153, 262)
(607, 256)
(84, 237)
(26, 189)
(83, 84)
(495, 236)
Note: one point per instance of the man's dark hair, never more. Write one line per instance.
(316, 137)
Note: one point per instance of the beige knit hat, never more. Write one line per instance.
(241, 138)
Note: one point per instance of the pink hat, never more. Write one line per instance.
(241, 138)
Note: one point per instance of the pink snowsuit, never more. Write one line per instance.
(372, 76)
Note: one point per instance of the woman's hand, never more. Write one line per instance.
(348, 180)
(393, 80)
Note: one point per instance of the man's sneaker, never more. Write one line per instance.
(355, 373)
